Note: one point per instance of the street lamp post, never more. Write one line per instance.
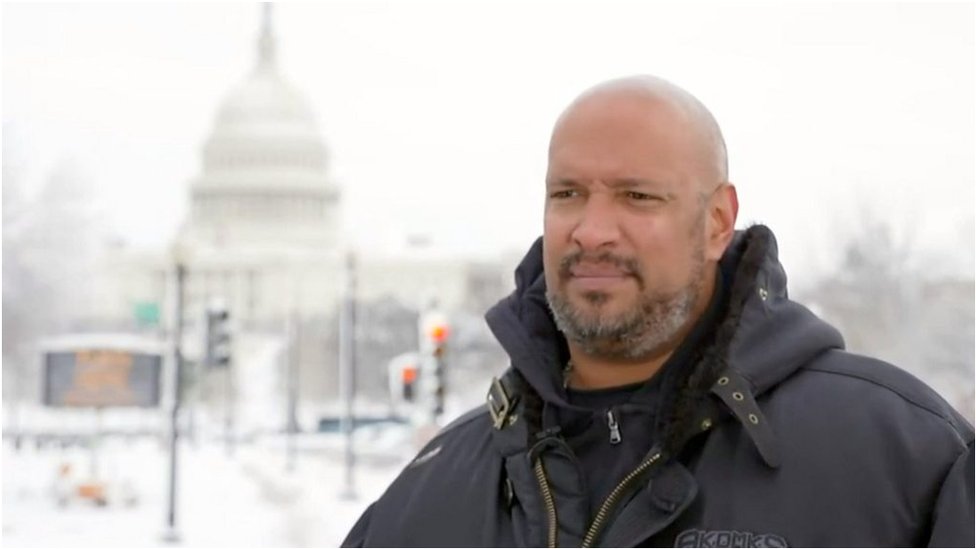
(171, 534)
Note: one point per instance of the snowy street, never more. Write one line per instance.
(247, 500)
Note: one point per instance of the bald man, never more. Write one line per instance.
(663, 389)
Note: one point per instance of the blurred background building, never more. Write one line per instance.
(261, 239)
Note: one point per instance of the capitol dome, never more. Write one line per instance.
(264, 105)
(264, 163)
(265, 102)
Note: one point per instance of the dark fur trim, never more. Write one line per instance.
(685, 391)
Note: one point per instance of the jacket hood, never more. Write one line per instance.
(765, 336)
(524, 326)
(760, 336)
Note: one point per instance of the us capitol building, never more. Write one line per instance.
(261, 237)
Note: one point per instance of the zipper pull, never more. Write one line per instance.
(614, 428)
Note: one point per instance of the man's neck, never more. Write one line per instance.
(595, 372)
(589, 372)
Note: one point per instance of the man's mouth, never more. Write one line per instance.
(597, 277)
(597, 271)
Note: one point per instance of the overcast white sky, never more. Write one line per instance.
(437, 114)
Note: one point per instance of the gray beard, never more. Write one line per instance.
(638, 332)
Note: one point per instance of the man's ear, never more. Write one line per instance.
(723, 209)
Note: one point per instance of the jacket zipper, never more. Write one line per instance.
(615, 437)
(601, 516)
(540, 475)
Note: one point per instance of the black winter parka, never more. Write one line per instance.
(771, 436)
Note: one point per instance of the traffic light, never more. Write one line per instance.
(405, 376)
(408, 380)
(437, 334)
(218, 338)
(438, 337)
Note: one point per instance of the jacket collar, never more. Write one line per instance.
(759, 339)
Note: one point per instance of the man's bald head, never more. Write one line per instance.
(657, 98)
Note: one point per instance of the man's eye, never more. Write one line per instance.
(565, 193)
(636, 195)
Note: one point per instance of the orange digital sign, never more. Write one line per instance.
(101, 377)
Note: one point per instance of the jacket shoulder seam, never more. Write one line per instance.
(945, 419)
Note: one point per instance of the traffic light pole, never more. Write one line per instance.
(172, 534)
(433, 340)
(219, 356)
(229, 410)
(347, 372)
(294, 334)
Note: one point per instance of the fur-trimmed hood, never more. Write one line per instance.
(760, 336)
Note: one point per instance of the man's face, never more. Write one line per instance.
(625, 226)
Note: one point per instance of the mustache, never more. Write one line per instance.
(627, 265)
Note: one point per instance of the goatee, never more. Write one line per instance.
(654, 319)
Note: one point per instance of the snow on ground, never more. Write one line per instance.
(247, 499)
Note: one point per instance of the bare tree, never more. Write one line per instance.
(49, 245)
(888, 305)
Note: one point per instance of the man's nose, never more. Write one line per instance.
(597, 226)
